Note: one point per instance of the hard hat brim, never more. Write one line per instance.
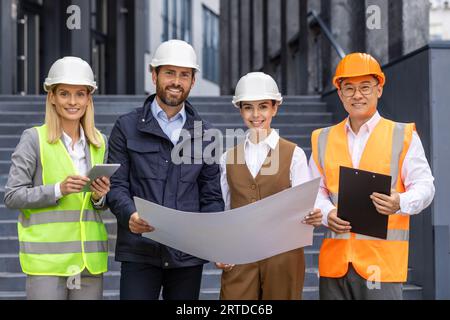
(237, 100)
(175, 64)
(50, 83)
(381, 78)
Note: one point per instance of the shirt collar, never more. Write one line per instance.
(271, 141)
(369, 125)
(158, 112)
(68, 140)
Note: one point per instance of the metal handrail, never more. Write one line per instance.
(315, 18)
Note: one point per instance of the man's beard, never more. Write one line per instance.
(169, 100)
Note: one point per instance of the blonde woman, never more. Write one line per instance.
(63, 241)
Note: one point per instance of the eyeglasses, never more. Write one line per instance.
(349, 91)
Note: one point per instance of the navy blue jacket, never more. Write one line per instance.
(138, 143)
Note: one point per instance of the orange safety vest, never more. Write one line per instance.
(373, 259)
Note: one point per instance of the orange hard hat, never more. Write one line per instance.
(356, 65)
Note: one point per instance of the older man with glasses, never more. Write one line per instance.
(354, 266)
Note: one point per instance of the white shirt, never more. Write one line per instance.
(78, 156)
(416, 173)
(256, 154)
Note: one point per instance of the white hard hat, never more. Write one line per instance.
(175, 53)
(256, 86)
(70, 70)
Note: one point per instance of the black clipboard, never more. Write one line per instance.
(355, 205)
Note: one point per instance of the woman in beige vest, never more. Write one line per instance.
(280, 277)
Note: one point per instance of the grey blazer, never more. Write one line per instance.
(24, 189)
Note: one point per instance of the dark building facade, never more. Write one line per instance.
(104, 32)
(280, 38)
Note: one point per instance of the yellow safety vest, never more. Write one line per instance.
(385, 151)
(65, 239)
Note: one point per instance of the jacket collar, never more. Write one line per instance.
(148, 124)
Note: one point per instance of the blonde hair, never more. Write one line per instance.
(53, 121)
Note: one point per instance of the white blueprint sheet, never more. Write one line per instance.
(255, 232)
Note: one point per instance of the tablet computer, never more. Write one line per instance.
(100, 170)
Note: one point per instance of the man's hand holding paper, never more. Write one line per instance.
(138, 225)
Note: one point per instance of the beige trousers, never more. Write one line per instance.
(277, 278)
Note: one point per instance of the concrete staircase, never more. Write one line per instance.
(297, 118)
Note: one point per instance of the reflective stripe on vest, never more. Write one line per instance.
(323, 138)
(63, 247)
(58, 217)
(397, 149)
(392, 235)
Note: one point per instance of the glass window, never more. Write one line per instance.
(176, 16)
(210, 45)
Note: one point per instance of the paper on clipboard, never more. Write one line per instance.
(255, 232)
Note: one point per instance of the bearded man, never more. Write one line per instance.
(142, 142)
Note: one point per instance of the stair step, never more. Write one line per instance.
(5, 99)
(311, 257)
(412, 292)
(211, 278)
(9, 245)
(16, 129)
(5, 154)
(116, 111)
(120, 107)
(7, 214)
(8, 228)
(9, 141)
(4, 169)
(213, 117)
(3, 180)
